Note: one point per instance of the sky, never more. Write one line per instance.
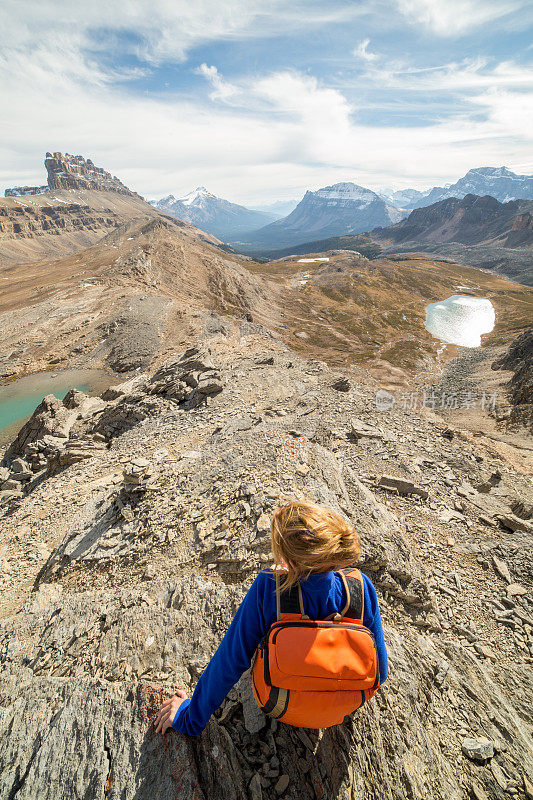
(260, 100)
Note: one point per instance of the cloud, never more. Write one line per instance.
(222, 90)
(65, 85)
(457, 17)
(158, 31)
(361, 51)
(457, 77)
(509, 113)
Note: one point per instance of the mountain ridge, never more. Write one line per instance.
(472, 219)
(341, 208)
(498, 182)
(211, 213)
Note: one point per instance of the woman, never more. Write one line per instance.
(309, 543)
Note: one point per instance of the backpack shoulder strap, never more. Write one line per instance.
(355, 595)
(290, 601)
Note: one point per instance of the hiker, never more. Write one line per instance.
(277, 621)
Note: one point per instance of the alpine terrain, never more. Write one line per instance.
(498, 182)
(133, 520)
(332, 211)
(474, 230)
(210, 213)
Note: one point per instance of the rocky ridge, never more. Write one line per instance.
(143, 520)
(498, 182)
(470, 220)
(73, 172)
(519, 359)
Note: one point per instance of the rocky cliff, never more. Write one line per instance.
(28, 221)
(73, 172)
(141, 517)
(519, 359)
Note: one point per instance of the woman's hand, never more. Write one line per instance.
(167, 712)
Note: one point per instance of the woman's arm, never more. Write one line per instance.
(372, 620)
(233, 656)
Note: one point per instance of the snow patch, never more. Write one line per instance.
(195, 197)
(460, 319)
(346, 191)
(310, 260)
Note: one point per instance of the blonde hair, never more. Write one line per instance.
(310, 538)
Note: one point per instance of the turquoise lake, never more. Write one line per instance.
(19, 399)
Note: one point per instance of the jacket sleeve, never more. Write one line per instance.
(231, 659)
(372, 620)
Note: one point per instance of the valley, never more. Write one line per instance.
(194, 389)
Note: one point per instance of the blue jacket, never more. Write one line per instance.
(323, 594)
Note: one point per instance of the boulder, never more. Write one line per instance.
(402, 486)
(50, 418)
(358, 429)
(478, 749)
(515, 523)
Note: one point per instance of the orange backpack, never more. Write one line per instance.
(312, 673)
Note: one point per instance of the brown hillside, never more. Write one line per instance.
(61, 222)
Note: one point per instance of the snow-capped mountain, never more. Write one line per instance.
(212, 214)
(498, 182)
(332, 211)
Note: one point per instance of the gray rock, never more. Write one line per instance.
(49, 418)
(12, 485)
(478, 749)
(341, 385)
(360, 429)
(501, 568)
(254, 719)
(514, 523)
(256, 792)
(392, 483)
(8, 495)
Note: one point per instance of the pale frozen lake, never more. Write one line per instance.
(460, 319)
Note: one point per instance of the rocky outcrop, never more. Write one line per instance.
(519, 359)
(63, 432)
(122, 571)
(22, 191)
(73, 172)
(27, 221)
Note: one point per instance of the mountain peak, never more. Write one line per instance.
(493, 172)
(345, 190)
(195, 197)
